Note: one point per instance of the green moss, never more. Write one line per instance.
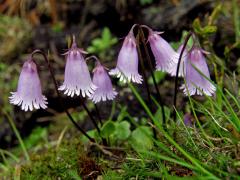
(68, 161)
(61, 163)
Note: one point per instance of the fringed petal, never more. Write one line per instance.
(29, 92)
(196, 82)
(104, 89)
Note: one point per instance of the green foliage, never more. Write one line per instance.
(236, 21)
(108, 129)
(197, 162)
(159, 76)
(145, 2)
(141, 138)
(158, 114)
(110, 175)
(122, 131)
(116, 130)
(58, 27)
(204, 31)
(210, 28)
(102, 46)
(37, 135)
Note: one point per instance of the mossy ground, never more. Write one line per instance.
(71, 159)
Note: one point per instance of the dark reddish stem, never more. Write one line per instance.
(143, 69)
(90, 115)
(145, 76)
(152, 74)
(176, 78)
(98, 114)
(59, 95)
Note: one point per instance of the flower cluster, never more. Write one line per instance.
(193, 66)
(78, 81)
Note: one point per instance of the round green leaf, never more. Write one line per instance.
(108, 129)
(141, 138)
(123, 130)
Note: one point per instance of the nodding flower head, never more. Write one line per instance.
(103, 82)
(29, 90)
(164, 54)
(127, 63)
(196, 82)
(77, 79)
(182, 67)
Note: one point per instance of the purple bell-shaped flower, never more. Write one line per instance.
(29, 91)
(127, 63)
(77, 79)
(164, 54)
(195, 81)
(103, 82)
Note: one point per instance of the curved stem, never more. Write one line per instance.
(148, 28)
(96, 108)
(104, 141)
(58, 93)
(132, 28)
(176, 78)
(93, 57)
(152, 74)
(90, 115)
